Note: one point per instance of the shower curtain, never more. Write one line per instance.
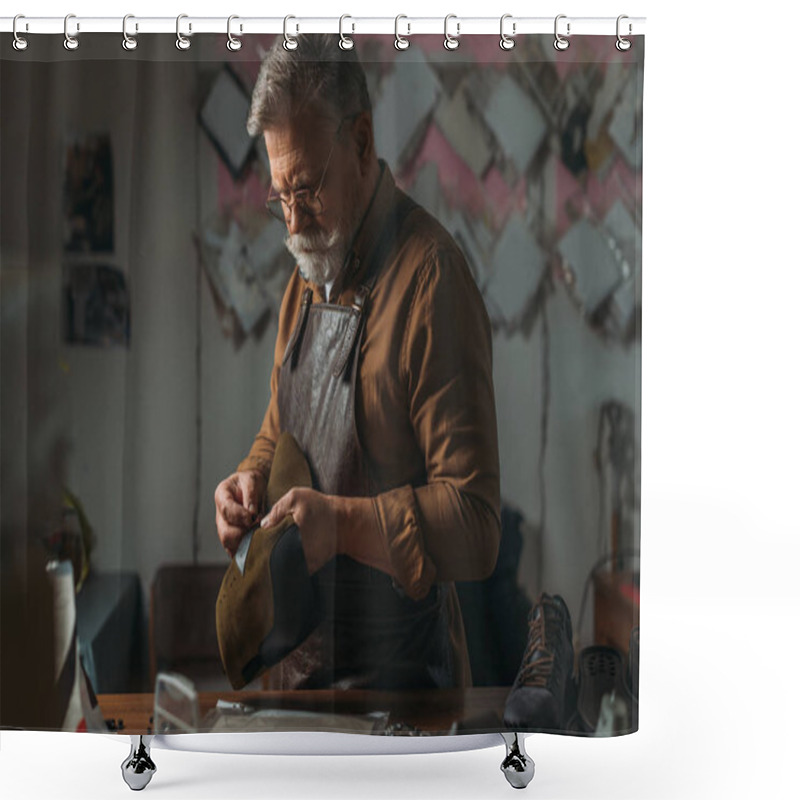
(492, 388)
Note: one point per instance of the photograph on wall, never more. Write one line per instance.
(96, 305)
(89, 194)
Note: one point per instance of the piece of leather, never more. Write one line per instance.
(264, 613)
(289, 469)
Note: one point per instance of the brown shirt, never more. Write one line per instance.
(425, 408)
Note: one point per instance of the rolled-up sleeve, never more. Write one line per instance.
(449, 527)
(263, 447)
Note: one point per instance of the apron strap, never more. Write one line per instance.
(299, 326)
(351, 334)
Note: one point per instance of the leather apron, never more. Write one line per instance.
(372, 635)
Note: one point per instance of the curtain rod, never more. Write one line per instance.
(404, 26)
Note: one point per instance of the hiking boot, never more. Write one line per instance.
(544, 685)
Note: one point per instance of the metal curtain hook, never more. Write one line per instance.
(182, 43)
(20, 43)
(70, 42)
(400, 42)
(234, 44)
(560, 42)
(345, 42)
(128, 42)
(289, 42)
(451, 42)
(623, 44)
(506, 42)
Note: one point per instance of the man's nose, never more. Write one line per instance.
(296, 219)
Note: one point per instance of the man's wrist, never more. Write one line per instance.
(343, 520)
(353, 517)
(358, 534)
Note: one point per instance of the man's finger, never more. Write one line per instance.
(224, 492)
(237, 515)
(277, 513)
(250, 498)
(230, 537)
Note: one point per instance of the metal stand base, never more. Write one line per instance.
(518, 766)
(138, 768)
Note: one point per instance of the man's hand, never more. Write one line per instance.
(315, 514)
(240, 498)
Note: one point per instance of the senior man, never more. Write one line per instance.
(383, 375)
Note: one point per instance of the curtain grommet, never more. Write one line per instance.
(345, 42)
(506, 41)
(182, 42)
(622, 44)
(128, 42)
(400, 42)
(70, 42)
(289, 42)
(451, 42)
(233, 43)
(561, 43)
(20, 43)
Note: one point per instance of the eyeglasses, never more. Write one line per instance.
(306, 200)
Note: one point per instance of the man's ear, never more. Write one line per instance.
(364, 137)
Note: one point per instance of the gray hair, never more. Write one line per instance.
(317, 74)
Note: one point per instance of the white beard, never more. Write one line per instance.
(319, 256)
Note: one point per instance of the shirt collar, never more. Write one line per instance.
(367, 234)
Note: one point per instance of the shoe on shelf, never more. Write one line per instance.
(601, 673)
(544, 686)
